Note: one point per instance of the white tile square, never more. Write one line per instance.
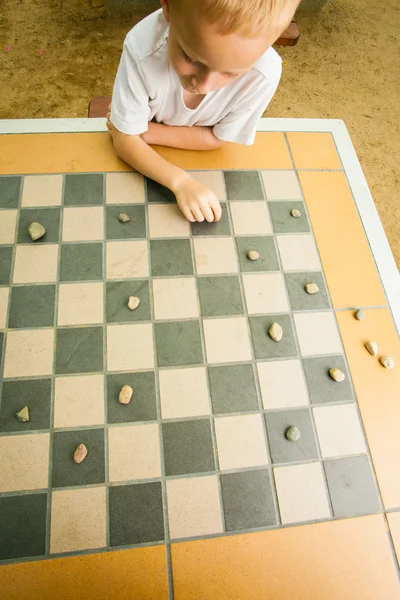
(42, 190)
(80, 303)
(302, 494)
(281, 185)
(215, 255)
(83, 224)
(4, 296)
(251, 218)
(265, 293)
(130, 347)
(282, 384)
(298, 252)
(241, 442)
(167, 221)
(134, 452)
(318, 333)
(175, 298)
(214, 180)
(127, 259)
(79, 401)
(36, 264)
(24, 463)
(124, 188)
(29, 352)
(8, 219)
(227, 340)
(184, 393)
(339, 430)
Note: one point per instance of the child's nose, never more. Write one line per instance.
(205, 82)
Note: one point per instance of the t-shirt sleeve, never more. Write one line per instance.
(130, 100)
(240, 124)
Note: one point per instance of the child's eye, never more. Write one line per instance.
(186, 57)
(231, 75)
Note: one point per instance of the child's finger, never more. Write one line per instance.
(216, 208)
(208, 213)
(198, 215)
(188, 215)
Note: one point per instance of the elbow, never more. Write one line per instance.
(217, 143)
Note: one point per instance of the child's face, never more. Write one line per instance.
(204, 59)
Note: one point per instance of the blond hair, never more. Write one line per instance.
(242, 16)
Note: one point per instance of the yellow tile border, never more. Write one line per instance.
(313, 150)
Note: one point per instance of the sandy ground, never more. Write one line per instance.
(55, 56)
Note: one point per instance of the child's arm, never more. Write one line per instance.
(195, 200)
(187, 138)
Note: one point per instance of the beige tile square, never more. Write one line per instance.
(167, 221)
(302, 494)
(184, 393)
(134, 452)
(78, 519)
(124, 188)
(79, 401)
(4, 295)
(227, 340)
(80, 303)
(36, 264)
(250, 218)
(339, 430)
(282, 384)
(175, 298)
(215, 255)
(265, 293)
(281, 185)
(241, 441)
(298, 252)
(127, 259)
(193, 507)
(42, 190)
(214, 180)
(318, 333)
(24, 462)
(130, 347)
(83, 224)
(8, 219)
(29, 352)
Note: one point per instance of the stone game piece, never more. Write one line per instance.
(372, 348)
(124, 218)
(295, 212)
(275, 332)
(133, 302)
(23, 415)
(311, 288)
(387, 362)
(80, 454)
(337, 374)
(253, 255)
(359, 315)
(293, 434)
(36, 231)
(125, 394)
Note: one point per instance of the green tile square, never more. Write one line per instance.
(243, 185)
(1, 347)
(321, 386)
(232, 389)
(285, 451)
(135, 228)
(48, 217)
(264, 346)
(33, 393)
(282, 220)
(188, 447)
(171, 257)
(265, 246)
(142, 407)
(83, 190)
(65, 471)
(158, 193)
(32, 306)
(81, 262)
(79, 350)
(23, 526)
(6, 253)
(178, 343)
(221, 227)
(299, 299)
(10, 188)
(117, 294)
(220, 296)
(143, 503)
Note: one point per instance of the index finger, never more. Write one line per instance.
(216, 208)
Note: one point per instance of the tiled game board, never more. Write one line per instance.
(201, 451)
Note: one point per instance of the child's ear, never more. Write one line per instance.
(165, 7)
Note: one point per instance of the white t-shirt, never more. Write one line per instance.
(147, 87)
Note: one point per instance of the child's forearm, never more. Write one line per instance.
(186, 138)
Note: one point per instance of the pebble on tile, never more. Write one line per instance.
(125, 394)
(36, 231)
(295, 212)
(23, 415)
(372, 348)
(275, 332)
(359, 314)
(124, 218)
(80, 454)
(133, 302)
(311, 288)
(253, 255)
(293, 434)
(337, 374)
(387, 362)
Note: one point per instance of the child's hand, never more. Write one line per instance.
(196, 201)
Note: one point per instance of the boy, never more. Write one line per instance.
(195, 75)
